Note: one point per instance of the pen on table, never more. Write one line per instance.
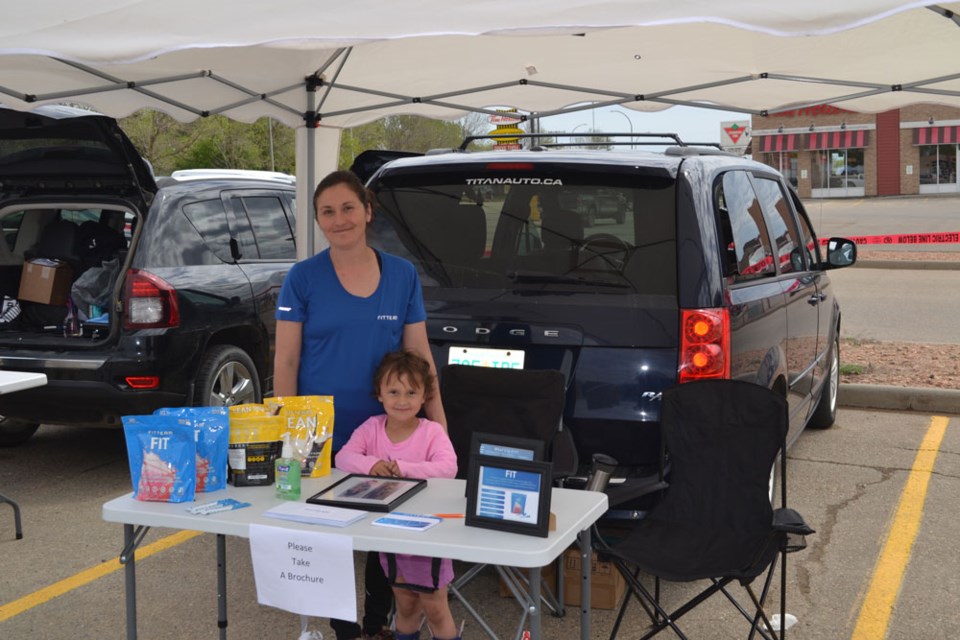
(447, 515)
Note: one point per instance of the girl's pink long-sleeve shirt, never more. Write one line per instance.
(427, 453)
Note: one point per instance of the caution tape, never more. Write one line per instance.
(942, 237)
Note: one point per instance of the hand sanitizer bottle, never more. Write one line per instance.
(287, 476)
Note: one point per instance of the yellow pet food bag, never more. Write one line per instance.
(309, 421)
(254, 446)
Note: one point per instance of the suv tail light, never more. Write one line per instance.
(149, 302)
(704, 344)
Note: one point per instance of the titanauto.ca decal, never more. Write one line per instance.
(544, 181)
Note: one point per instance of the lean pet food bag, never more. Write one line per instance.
(211, 426)
(162, 454)
(309, 421)
(254, 445)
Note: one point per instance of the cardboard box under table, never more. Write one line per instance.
(46, 282)
(607, 585)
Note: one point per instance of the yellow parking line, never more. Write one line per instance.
(86, 576)
(892, 563)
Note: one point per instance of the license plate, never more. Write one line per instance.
(480, 357)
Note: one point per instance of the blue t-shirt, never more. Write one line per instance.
(345, 337)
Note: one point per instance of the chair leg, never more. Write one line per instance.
(661, 618)
(758, 612)
(18, 528)
(783, 590)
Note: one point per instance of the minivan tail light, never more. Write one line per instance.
(704, 344)
(149, 302)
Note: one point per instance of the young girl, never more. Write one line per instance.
(399, 444)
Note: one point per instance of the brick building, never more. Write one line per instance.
(829, 152)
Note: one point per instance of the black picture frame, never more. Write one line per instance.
(503, 446)
(369, 493)
(511, 495)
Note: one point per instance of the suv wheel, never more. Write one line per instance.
(826, 412)
(227, 376)
(15, 432)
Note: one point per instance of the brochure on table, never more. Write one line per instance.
(408, 521)
(315, 514)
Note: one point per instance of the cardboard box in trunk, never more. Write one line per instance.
(606, 583)
(45, 281)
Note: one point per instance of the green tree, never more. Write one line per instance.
(218, 142)
(159, 138)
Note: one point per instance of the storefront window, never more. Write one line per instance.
(938, 164)
(837, 172)
(785, 163)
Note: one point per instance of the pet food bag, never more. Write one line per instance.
(211, 429)
(309, 421)
(254, 446)
(162, 453)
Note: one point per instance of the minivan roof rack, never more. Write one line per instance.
(699, 150)
(672, 137)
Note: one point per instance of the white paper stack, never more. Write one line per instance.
(315, 514)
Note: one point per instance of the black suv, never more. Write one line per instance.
(713, 270)
(174, 280)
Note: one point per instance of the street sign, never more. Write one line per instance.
(735, 134)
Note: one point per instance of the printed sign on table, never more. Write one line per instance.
(304, 572)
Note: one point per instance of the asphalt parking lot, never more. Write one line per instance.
(61, 580)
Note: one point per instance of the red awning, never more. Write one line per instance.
(838, 140)
(936, 135)
(779, 142)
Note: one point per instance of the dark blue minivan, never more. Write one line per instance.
(713, 270)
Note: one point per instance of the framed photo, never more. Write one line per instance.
(501, 446)
(370, 493)
(509, 495)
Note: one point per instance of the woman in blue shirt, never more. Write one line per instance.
(338, 313)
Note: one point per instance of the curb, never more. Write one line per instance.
(932, 265)
(874, 396)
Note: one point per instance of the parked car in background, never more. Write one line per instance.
(714, 272)
(594, 203)
(172, 301)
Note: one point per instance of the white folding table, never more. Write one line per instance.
(11, 381)
(575, 512)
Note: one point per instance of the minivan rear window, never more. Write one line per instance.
(533, 229)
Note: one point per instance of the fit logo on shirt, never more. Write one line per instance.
(382, 317)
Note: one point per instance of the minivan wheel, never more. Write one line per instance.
(227, 376)
(826, 412)
(15, 432)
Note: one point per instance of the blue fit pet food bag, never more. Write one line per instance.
(162, 455)
(211, 427)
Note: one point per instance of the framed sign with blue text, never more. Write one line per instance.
(509, 494)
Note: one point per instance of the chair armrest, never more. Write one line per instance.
(789, 521)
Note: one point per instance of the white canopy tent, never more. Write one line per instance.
(322, 66)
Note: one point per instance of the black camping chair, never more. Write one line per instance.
(715, 521)
(521, 403)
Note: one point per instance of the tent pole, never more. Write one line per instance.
(311, 153)
(318, 150)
